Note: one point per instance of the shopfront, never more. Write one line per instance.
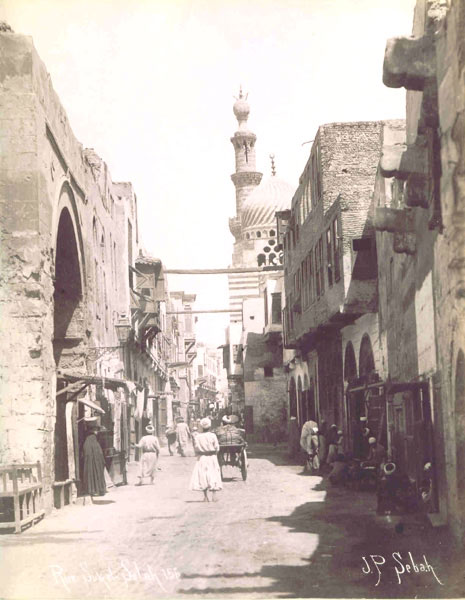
(80, 396)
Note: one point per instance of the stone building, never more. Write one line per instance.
(182, 324)
(207, 376)
(254, 361)
(330, 270)
(424, 221)
(79, 328)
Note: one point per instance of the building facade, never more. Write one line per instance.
(424, 223)
(253, 360)
(207, 382)
(80, 333)
(330, 268)
(182, 324)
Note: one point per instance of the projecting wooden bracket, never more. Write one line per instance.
(401, 224)
(394, 220)
(401, 161)
(411, 164)
(409, 62)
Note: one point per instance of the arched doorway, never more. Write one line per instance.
(353, 402)
(292, 398)
(350, 365)
(373, 403)
(305, 407)
(312, 412)
(67, 334)
(460, 432)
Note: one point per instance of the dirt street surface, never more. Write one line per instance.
(280, 534)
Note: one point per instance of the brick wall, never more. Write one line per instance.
(349, 154)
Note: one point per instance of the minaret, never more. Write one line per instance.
(246, 178)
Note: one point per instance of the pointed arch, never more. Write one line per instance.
(292, 398)
(366, 360)
(350, 364)
(68, 319)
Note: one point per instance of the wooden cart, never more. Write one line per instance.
(233, 455)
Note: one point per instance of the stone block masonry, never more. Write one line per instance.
(63, 225)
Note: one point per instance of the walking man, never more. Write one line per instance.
(150, 448)
(183, 435)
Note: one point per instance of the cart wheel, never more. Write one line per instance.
(243, 467)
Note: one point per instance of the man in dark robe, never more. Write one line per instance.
(94, 464)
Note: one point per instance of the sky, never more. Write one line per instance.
(150, 85)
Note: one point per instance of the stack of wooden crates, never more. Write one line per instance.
(21, 491)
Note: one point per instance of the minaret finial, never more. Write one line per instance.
(5, 27)
(273, 168)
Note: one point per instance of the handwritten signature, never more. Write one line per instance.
(123, 572)
(403, 566)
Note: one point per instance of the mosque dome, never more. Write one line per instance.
(270, 196)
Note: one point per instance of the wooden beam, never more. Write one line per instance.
(73, 388)
(196, 312)
(221, 271)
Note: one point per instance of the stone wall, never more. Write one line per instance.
(48, 185)
(430, 65)
(268, 397)
(449, 272)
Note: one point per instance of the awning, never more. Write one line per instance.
(73, 377)
(390, 387)
(91, 404)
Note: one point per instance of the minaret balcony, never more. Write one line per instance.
(235, 227)
(245, 178)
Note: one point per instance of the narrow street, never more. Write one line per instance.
(278, 535)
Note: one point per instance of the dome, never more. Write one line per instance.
(260, 207)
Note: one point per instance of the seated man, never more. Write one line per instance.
(230, 435)
(376, 454)
(338, 470)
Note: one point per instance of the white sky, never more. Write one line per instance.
(149, 84)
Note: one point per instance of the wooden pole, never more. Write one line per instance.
(195, 312)
(221, 271)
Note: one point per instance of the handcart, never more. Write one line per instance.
(233, 455)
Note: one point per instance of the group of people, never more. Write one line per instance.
(324, 449)
(206, 476)
(180, 435)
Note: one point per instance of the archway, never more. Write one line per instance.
(350, 364)
(305, 407)
(366, 359)
(353, 401)
(300, 403)
(299, 400)
(312, 412)
(460, 432)
(68, 328)
(292, 398)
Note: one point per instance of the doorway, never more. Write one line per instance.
(67, 333)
